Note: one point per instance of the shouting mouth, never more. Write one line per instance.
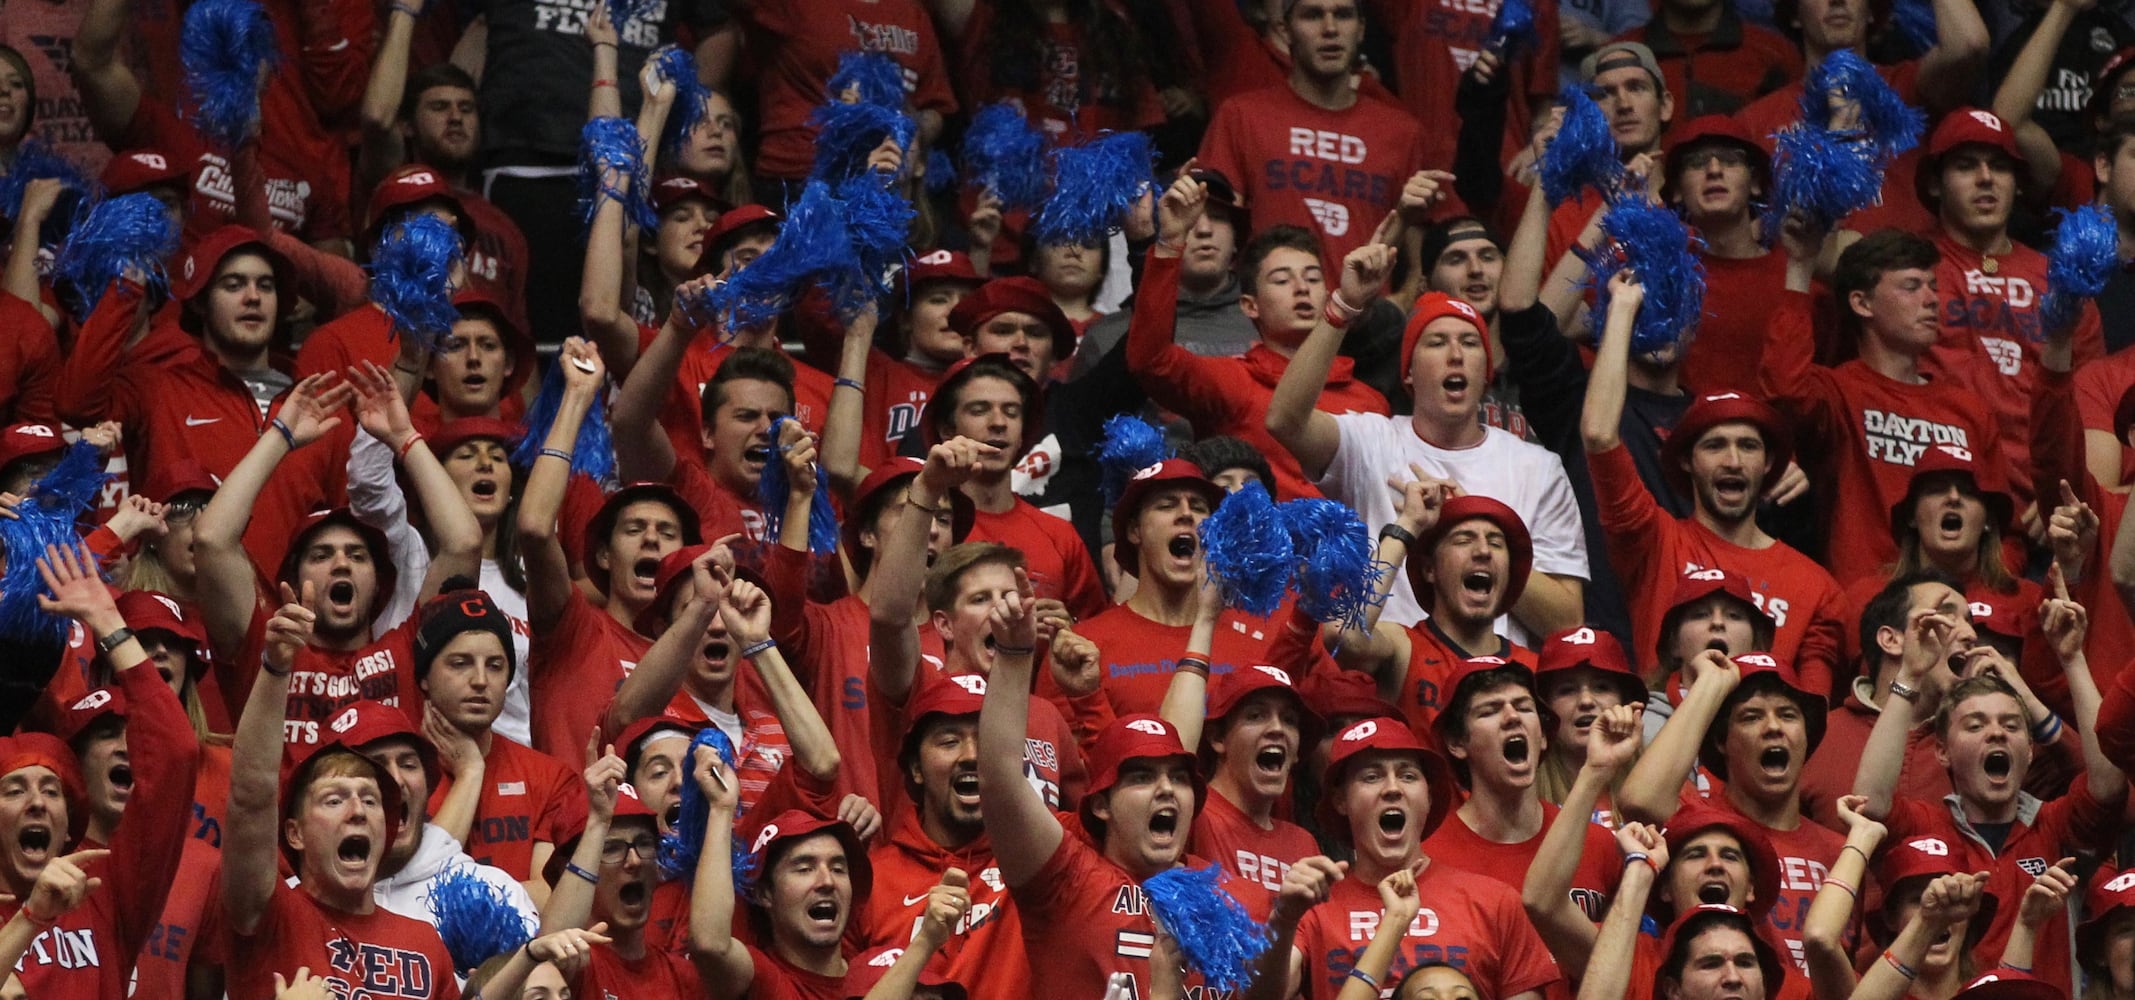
(645, 571)
(1774, 759)
(1272, 760)
(353, 850)
(1516, 750)
(1998, 763)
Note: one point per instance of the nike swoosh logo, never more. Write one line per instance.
(910, 900)
(197, 422)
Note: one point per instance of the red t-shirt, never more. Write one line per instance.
(1457, 845)
(682, 413)
(527, 798)
(306, 175)
(1139, 655)
(1805, 856)
(379, 954)
(1471, 922)
(2098, 387)
(1433, 658)
(1228, 396)
(897, 393)
(1336, 173)
(658, 975)
(574, 664)
(322, 682)
(1651, 550)
(1059, 564)
(1719, 73)
(1224, 834)
(1729, 346)
(1052, 759)
(720, 511)
(985, 953)
(1990, 342)
(778, 980)
(798, 45)
(1085, 918)
(1434, 43)
(362, 334)
(196, 891)
(1060, 105)
(1863, 432)
(29, 363)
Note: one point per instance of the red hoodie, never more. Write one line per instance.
(986, 952)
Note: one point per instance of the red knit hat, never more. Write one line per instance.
(1435, 306)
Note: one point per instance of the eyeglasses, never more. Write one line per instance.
(611, 851)
(1697, 159)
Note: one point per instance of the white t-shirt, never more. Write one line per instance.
(1528, 478)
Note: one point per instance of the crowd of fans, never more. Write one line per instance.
(607, 647)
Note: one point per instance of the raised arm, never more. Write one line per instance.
(660, 672)
(570, 904)
(947, 903)
(1608, 969)
(901, 567)
(600, 287)
(62, 886)
(2022, 83)
(2044, 904)
(1961, 43)
(747, 614)
(93, 383)
(847, 414)
(382, 150)
(110, 93)
(1655, 786)
(1928, 642)
(1024, 831)
(1398, 907)
(643, 451)
(2065, 625)
(1525, 258)
(548, 575)
(1185, 703)
(1600, 425)
(1946, 906)
(722, 962)
(1293, 416)
(452, 525)
(1831, 975)
(22, 280)
(1547, 891)
(252, 829)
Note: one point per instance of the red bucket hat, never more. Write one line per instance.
(866, 503)
(373, 539)
(458, 432)
(76, 719)
(672, 190)
(1588, 648)
(1435, 306)
(297, 768)
(1961, 461)
(1169, 473)
(148, 611)
(1383, 735)
(937, 411)
(474, 300)
(729, 228)
(369, 722)
(409, 185)
(138, 170)
(1690, 821)
(2008, 984)
(1337, 694)
(953, 696)
(1519, 544)
(1923, 857)
(198, 264)
(1458, 688)
(1711, 411)
(1698, 584)
(1760, 674)
(1017, 294)
(1963, 127)
(1707, 130)
(2112, 892)
(940, 265)
(1132, 737)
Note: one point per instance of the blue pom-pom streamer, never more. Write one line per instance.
(1095, 185)
(1130, 445)
(878, 226)
(222, 45)
(608, 147)
(1912, 23)
(845, 239)
(1583, 154)
(1654, 244)
(34, 160)
(2085, 254)
(131, 233)
(846, 134)
(1823, 176)
(474, 918)
(1887, 123)
(622, 12)
(878, 78)
(593, 456)
(1513, 27)
(1248, 551)
(1338, 574)
(772, 488)
(47, 516)
(941, 172)
(1215, 934)
(691, 96)
(411, 276)
(679, 850)
(1006, 156)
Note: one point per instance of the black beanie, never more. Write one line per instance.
(454, 612)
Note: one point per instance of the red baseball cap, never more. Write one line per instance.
(1711, 411)
(1762, 674)
(2103, 81)
(1707, 130)
(48, 751)
(603, 522)
(140, 169)
(147, 610)
(2008, 984)
(167, 481)
(1697, 920)
(335, 735)
(1167, 474)
(1691, 821)
(2002, 616)
(1965, 126)
(1458, 510)
(2111, 892)
(411, 185)
(1018, 294)
(197, 266)
(866, 503)
(952, 696)
(867, 968)
(1334, 695)
(674, 189)
(1435, 306)
(1923, 858)
(78, 717)
(1587, 648)
(20, 441)
(373, 539)
(1959, 460)
(477, 301)
(368, 722)
(1383, 735)
(730, 227)
(1229, 689)
(940, 265)
(797, 824)
(997, 365)
(667, 579)
(455, 433)
(628, 805)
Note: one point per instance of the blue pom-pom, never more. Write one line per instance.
(1583, 154)
(1513, 27)
(1095, 185)
(847, 134)
(474, 918)
(1887, 123)
(411, 276)
(1338, 574)
(2085, 255)
(811, 241)
(1006, 156)
(128, 234)
(222, 46)
(1912, 25)
(1216, 936)
(1654, 244)
(692, 97)
(622, 12)
(608, 147)
(593, 456)
(772, 488)
(681, 847)
(1823, 176)
(1131, 444)
(941, 172)
(34, 160)
(878, 226)
(47, 516)
(867, 78)
(1248, 551)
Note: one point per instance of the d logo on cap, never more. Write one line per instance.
(2125, 882)
(972, 683)
(414, 177)
(1758, 660)
(1583, 637)
(1933, 846)
(169, 605)
(95, 699)
(1706, 574)
(1275, 672)
(345, 721)
(1149, 726)
(1981, 609)
(1361, 731)
(153, 161)
(937, 257)
(1958, 452)
(764, 837)
(1988, 118)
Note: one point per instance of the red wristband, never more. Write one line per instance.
(412, 440)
